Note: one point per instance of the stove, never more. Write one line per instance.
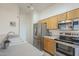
(69, 37)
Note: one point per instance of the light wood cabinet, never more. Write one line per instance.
(46, 44)
(62, 17)
(70, 15)
(52, 22)
(73, 14)
(50, 45)
(76, 13)
(44, 21)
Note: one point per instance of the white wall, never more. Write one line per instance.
(26, 26)
(12, 12)
(8, 12)
(35, 17)
(56, 9)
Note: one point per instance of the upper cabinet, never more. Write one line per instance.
(52, 22)
(76, 13)
(62, 17)
(73, 14)
(70, 15)
(43, 21)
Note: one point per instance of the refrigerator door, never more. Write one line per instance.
(41, 31)
(44, 31)
(35, 27)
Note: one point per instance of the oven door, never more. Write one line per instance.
(64, 49)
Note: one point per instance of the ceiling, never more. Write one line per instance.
(36, 6)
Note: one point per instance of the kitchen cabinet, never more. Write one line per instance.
(62, 17)
(46, 44)
(76, 13)
(43, 21)
(73, 14)
(70, 15)
(52, 22)
(50, 45)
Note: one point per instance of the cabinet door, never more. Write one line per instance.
(52, 23)
(44, 21)
(73, 14)
(51, 46)
(62, 17)
(70, 15)
(49, 23)
(76, 13)
(46, 44)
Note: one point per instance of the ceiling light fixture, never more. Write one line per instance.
(30, 7)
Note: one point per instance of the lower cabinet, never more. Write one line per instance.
(50, 46)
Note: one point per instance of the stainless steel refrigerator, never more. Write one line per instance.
(39, 31)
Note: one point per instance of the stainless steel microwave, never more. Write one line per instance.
(65, 25)
(75, 24)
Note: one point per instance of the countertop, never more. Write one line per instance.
(51, 37)
(64, 43)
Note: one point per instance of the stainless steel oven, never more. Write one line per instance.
(67, 50)
(67, 40)
(70, 37)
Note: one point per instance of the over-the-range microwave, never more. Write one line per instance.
(65, 25)
(75, 24)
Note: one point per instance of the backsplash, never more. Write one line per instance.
(54, 32)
